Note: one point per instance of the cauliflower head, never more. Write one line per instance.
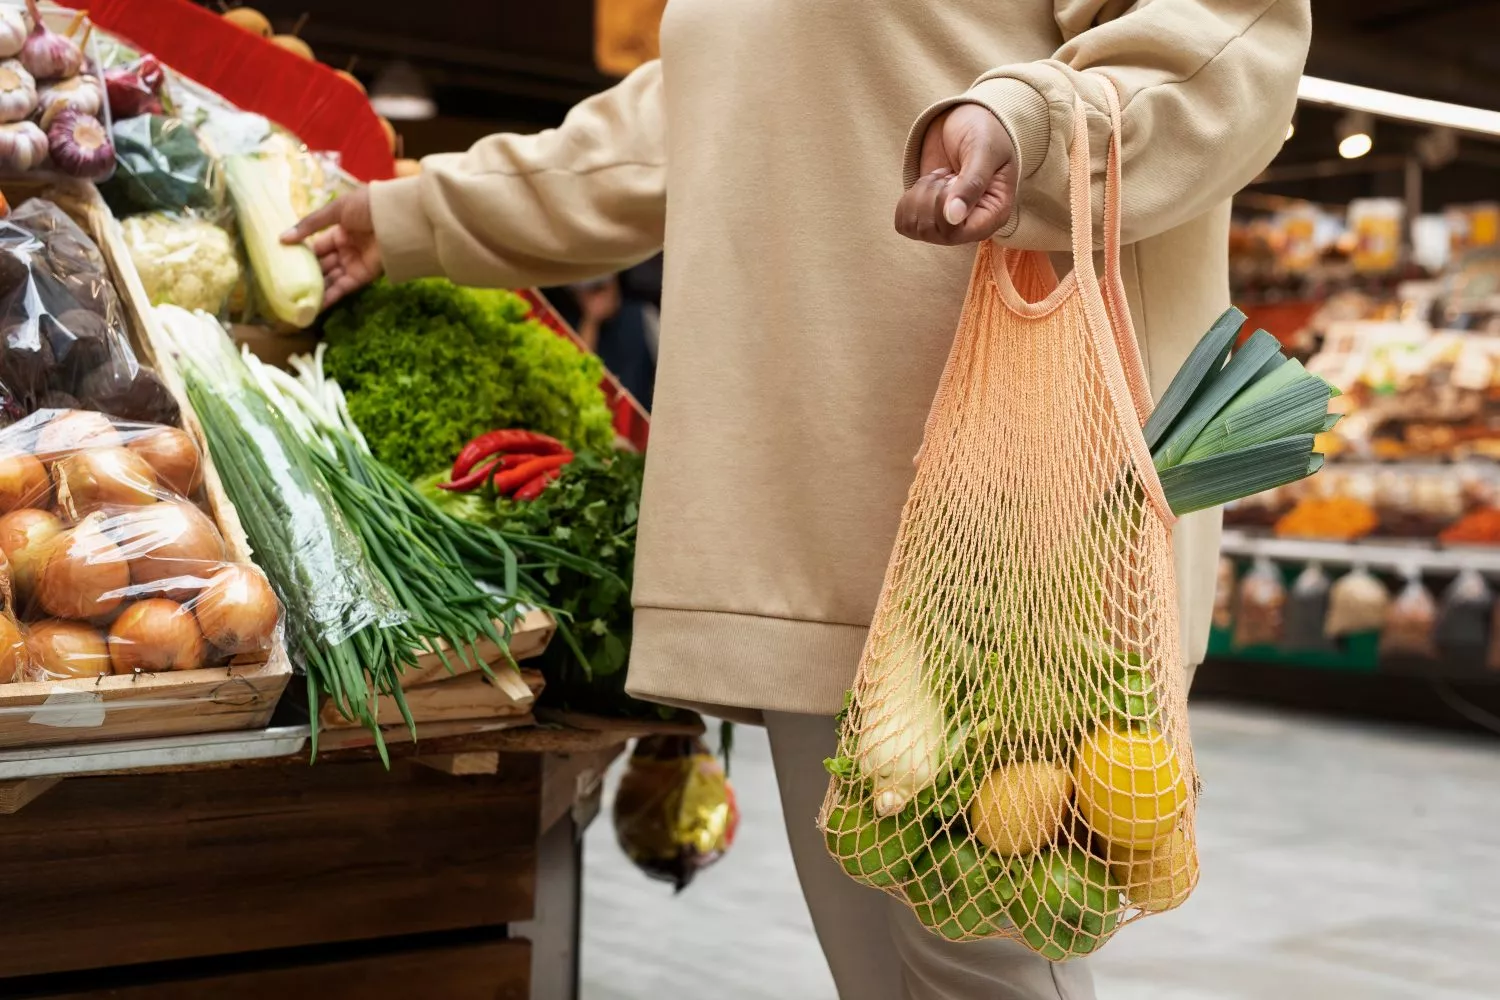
(185, 261)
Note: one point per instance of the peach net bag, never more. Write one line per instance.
(1014, 758)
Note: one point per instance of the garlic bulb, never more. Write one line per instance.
(17, 91)
(80, 146)
(46, 54)
(77, 93)
(12, 32)
(23, 146)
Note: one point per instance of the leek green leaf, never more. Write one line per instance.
(1206, 359)
(1242, 368)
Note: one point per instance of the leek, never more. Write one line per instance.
(1223, 432)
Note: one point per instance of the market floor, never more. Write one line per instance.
(1340, 862)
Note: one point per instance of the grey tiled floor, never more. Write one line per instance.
(1340, 862)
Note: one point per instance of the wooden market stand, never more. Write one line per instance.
(225, 866)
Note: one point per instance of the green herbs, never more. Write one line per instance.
(590, 513)
(427, 365)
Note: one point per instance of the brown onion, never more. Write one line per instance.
(68, 649)
(173, 548)
(155, 634)
(15, 661)
(85, 576)
(173, 457)
(24, 538)
(71, 430)
(23, 482)
(98, 477)
(237, 610)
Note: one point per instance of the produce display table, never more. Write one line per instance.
(225, 866)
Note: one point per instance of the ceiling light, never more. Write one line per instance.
(1355, 132)
(1352, 147)
(1389, 105)
(1291, 130)
(401, 94)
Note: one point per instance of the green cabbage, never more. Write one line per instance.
(428, 365)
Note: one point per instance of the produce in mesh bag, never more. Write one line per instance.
(1357, 602)
(111, 570)
(62, 333)
(1463, 621)
(1410, 622)
(1016, 739)
(674, 812)
(1306, 611)
(183, 260)
(1224, 594)
(1260, 615)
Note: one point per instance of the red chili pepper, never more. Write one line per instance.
(484, 470)
(510, 479)
(486, 445)
(473, 479)
(533, 489)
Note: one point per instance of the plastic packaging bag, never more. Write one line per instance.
(1410, 623)
(1357, 602)
(183, 260)
(1463, 622)
(113, 566)
(1306, 610)
(62, 328)
(1260, 614)
(160, 167)
(1224, 594)
(674, 812)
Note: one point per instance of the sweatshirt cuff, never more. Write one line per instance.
(408, 245)
(1020, 107)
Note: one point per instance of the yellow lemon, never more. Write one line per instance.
(1130, 785)
(1158, 879)
(1020, 807)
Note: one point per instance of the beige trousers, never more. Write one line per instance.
(875, 947)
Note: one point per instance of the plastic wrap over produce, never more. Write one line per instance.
(63, 342)
(675, 812)
(110, 564)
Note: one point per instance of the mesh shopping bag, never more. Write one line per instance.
(1014, 757)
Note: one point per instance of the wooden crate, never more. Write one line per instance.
(436, 695)
(241, 696)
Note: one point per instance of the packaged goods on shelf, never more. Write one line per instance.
(1306, 610)
(1357, 602)
(1410, 627)
(1261, 608)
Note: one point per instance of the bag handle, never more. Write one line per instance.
(1080, 182)
(1106, 309)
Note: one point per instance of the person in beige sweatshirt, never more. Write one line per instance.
(803, 334)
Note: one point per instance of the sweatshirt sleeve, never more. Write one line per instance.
(516, 211)
(1207, 86)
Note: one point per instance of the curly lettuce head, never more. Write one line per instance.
(428, 365)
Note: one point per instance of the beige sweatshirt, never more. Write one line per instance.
(802, 338)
